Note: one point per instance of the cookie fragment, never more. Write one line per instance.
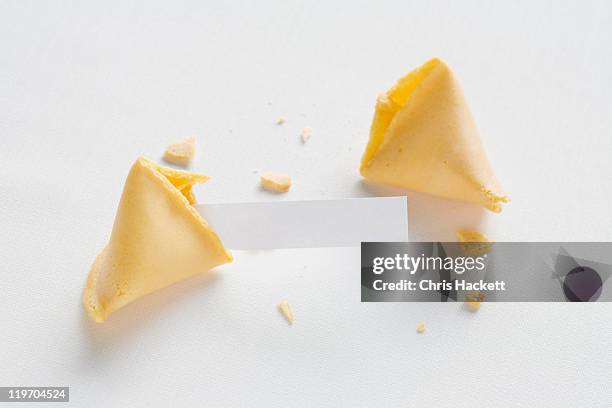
(471, 236)
(279, 183)
(286, 311)
(473, 301)
(158, 239)
(420, 327)
(306, 133)
(473, 242)
(181, 152)
(424, 138)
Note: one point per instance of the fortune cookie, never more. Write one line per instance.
(423, 138)
(158, 239)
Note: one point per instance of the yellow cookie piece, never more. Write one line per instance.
(473, 301)
(473, 242)
(158, 239)
(471, 236)
(180, 152)
(285, 308)
(279, 183)
(423, 138)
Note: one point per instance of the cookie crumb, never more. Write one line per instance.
(279, 183)
(286, 311)
(281, 120)
(473, 301)
(471, 236)
(473, 242)
(181, 152)
(420, 327)
(306, 133)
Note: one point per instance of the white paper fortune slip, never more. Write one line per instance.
(308, 224)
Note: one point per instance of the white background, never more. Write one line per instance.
(86, 87)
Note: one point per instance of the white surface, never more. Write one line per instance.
(85, 87)
(308, 223)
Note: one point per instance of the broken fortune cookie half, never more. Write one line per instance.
(423, 138)
(158, 239)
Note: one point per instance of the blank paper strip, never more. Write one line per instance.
(308, 224)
